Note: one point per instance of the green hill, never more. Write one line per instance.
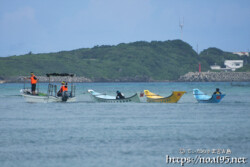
(156, 60)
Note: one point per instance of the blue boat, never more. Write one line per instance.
(203, 98)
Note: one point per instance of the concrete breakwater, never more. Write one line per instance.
(215, 77)
(20, 79)
(45, 79)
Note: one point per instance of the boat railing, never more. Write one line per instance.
(52, 90)
(73, 91)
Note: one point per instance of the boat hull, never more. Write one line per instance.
(44, 99)
(173, 98)
(213, 99)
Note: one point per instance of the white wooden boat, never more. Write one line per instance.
(100, 97)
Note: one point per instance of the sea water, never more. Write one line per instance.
(91, 134)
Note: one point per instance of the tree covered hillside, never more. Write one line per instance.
(156, 60)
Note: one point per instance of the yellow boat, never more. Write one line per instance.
(173, 98)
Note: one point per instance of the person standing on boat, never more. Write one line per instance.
(63, 88)
(119, 95)
(33, 81)
(217, 92)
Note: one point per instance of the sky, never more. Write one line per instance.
(43, 26)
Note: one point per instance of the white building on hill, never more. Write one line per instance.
(215, 67)
(241, 53)
(231, 65)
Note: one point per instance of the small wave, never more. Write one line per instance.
(12, 95)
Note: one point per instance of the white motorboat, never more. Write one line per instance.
(51, 95)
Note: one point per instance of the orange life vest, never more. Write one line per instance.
(33, 80)
(64, 88)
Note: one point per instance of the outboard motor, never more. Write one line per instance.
(65, 96)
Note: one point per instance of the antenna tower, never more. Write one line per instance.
(181, 24)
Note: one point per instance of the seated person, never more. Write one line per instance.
(217, 92)
(119, 95)
(62, 89)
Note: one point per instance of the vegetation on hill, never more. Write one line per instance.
(245, 68)
(156, 60)
(216, 56)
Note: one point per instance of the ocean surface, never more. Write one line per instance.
(91, 134)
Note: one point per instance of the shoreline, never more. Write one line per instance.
(189, 77)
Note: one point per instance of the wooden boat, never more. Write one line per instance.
(173, 98)
(100, 97)
(51, 95)
(203, 98)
